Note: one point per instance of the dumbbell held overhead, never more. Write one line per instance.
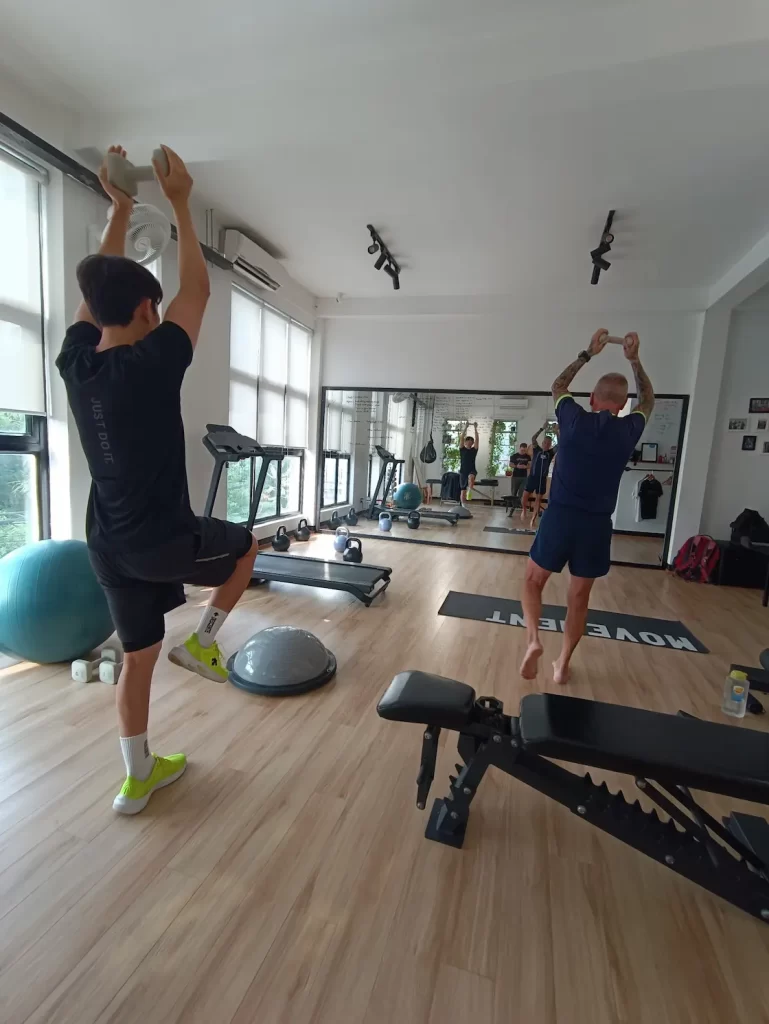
(125, 176)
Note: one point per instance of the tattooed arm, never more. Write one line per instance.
(563, 380)
(644, 390)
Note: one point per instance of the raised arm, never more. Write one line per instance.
(535, 436)
(113, 241)
(475, 431)
(644, 390)
(189, 304)
(563, 380)
(464, 433)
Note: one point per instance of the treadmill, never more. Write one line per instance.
(366, 582)
(387, 476)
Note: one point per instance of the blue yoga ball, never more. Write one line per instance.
(407, 496)
(51, 605)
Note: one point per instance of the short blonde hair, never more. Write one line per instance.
(611, 389)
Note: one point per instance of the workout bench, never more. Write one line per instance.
(667, 755)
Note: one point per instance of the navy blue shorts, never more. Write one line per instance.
(535, 485)
(464, 479)
(569, 535)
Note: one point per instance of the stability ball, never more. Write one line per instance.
(407, 496)
(51, 606)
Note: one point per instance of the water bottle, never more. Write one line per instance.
(735, 694)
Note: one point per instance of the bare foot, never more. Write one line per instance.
(530, 661)
(560, 675)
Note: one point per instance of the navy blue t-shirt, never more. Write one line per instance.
(593, 450)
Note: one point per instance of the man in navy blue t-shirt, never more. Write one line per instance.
(593, 450)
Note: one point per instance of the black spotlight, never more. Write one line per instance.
(597, 255)
(389, 269)
(373, 248)
(380, 261)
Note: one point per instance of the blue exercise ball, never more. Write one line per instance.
(407, 496)
(51, 605)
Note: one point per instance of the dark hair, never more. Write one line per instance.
(113, 287)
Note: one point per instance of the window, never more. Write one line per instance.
(336, 478)
(338, 445)
(23, 435)
(23, 480)
(502, 442)
(269, 400)
(452, 431)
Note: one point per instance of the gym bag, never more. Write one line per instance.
(697, 559)
(750, 525)
(428, 453)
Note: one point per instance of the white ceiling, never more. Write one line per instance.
(485, 140)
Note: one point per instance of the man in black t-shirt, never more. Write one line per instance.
(468, 452)
(520, 463)
(123, 371)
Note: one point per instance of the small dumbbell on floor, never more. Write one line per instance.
(106, 667)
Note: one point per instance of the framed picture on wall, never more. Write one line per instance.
(765, 447)
(748, 442)
(649, 451)
(762, 423)
(738, 424)
(759, 405)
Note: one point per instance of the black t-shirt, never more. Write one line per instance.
(126, 402)
(467, 460)
(649, 493)
(520, 463)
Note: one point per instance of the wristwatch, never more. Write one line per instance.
(585, 355)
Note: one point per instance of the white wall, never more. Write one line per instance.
(738, 479)
(518, 350)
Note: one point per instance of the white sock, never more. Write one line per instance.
(210, 622)
(136, 754)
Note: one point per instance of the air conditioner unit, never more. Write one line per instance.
(249, 260)
(511, 403)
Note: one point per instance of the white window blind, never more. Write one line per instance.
(339, 409)
(22, 384)
(397, 414)
(269, 373)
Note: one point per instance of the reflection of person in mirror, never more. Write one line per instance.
(520, 462)
(468, 452)
(593, 450)
(536, 485)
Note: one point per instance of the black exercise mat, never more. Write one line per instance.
(636, 629)
(506, 529)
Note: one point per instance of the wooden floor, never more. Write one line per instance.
(624, 547)
(285, 879)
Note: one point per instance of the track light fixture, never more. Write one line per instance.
(385, 258)
(395, 275)
(604, 246)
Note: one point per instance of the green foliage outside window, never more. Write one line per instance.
(452, 431)
(504, 434)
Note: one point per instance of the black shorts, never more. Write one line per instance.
(141, 586)
(535, 485)
(464, 479)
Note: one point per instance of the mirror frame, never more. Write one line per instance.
(325, 388)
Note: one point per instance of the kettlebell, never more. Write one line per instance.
(354, 550)
(334, 521)
(281, 541)
(342, 536)
(413, 520)
(385, 522)
(303, 530)
(351, 517)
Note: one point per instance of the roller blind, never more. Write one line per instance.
(339, 417)
(22, 383)
(269, 373)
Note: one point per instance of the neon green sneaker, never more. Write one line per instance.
(135, 794)
(206, 661)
